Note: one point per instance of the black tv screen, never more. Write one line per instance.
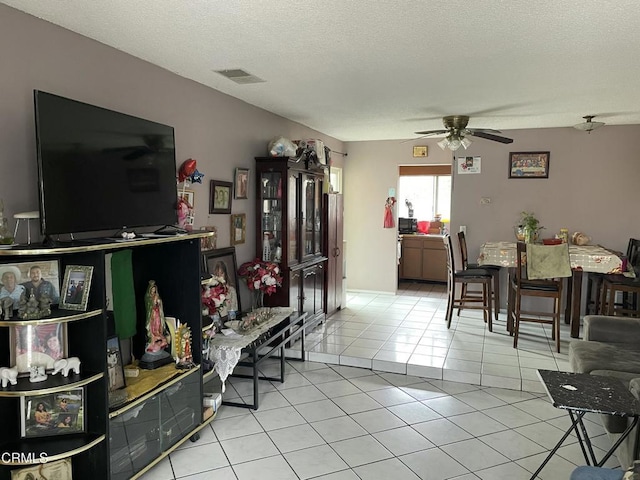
(101, 170)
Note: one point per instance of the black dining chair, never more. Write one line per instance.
(629, 286)
(465, 277)
(525, 284)
(494, 270)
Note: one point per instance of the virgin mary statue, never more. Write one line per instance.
(158, 337)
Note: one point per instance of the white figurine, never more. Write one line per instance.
(9, 375)
(66, 364)
(37, 374)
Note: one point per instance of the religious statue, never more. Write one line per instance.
(184, 357)
(158, 337)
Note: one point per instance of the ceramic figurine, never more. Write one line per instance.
(184, 357)
(22, 306)
(32, 311)
(45, 304)
(9, 375)
(7, 307)
(36, 374)
(65, 364)
(158, 336)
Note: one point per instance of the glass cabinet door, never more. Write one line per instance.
(271, 215)
(293, 218)
(312, 191)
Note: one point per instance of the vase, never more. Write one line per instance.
(258, 299)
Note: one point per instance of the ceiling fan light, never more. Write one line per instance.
(465, 142)
(455, 144)
(444, 143)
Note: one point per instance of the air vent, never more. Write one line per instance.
(239, 76)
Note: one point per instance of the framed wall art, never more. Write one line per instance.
(76, 286)
(37, 345)
(222, 263)
(420, 151)
(220, 197)
(238, 228)
(529, 164)
(58, 413)
(241, 184)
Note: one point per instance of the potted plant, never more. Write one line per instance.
(528, 228)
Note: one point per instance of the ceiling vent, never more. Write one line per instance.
(239, 76)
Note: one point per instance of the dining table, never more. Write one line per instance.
(583, 258)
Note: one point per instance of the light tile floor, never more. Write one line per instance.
(431, 404)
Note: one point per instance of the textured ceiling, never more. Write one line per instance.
(362, 70)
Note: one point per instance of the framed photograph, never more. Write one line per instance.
(40, 278)
(37, 345)
(529, 164)
(222, 263)
(238, 228)
(209, 243)
(420, 151)
(60, 470)
(187, 195)
(241, 184)
(469, 165)
(76, 286)
(220, 197)
(59, 413)
(115, 367)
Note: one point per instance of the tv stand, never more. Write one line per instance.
(170, 230)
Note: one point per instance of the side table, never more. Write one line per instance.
(579, 393)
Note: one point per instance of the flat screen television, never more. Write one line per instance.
(101, 170)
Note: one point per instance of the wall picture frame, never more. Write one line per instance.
(187, 195)
(222, 263)
(529, 164)
(37, 345)
(115, 367)
(76, 287)
(238, 228)
(241, 184)
(220, 197)
(420, 151)
(58, 413)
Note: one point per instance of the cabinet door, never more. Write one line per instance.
(294, 218)
(295, 289)
(312, 211)
(411, 258)
(319, 293)
(308, 290)
(434, 261)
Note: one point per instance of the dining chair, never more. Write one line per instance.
(539, 273)
(629, 286)
(595, 279)
(465, 277)
(493, 269)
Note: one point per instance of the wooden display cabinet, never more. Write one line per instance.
(289, 229)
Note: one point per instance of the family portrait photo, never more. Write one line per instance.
(77, 282)
(220, 197)
(56, 413)
(37, 345)
(18, 279)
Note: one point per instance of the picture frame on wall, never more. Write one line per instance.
(58, 413)
(75, 288)
(222, 263)
(238, 228)
(220, 197)
(529, 164)
(40, 278)
(115, 367)
(241, 184)
(36, 345)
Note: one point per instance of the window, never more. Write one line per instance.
(335, 180)
(429, 194)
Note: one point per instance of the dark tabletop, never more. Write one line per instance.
(589, 393)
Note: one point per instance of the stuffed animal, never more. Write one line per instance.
(8, 375)
(66, 364)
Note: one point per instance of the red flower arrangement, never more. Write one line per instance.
(215, 294)
(261, 276)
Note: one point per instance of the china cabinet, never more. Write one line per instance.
(153, 419)
(289, 231)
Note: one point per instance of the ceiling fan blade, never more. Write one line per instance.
(432, 132)
(490, 136)
(485, 130)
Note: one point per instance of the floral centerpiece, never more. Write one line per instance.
(261, 277)
(214, 295)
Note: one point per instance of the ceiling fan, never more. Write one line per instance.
(457, 132)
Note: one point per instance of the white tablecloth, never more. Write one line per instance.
(225, 350)
(591, 258)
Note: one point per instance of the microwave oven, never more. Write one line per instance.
(407, 225)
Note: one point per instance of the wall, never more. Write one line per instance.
(592, 187)
(219, 131)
